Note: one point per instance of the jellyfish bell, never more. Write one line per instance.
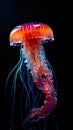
(30, 37)
(25, 33)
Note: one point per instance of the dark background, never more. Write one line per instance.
(13, 13)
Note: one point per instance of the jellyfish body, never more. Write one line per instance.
(30, 37)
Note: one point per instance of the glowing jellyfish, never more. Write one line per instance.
(40, 76)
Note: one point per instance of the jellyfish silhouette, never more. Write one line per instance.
(35, 72)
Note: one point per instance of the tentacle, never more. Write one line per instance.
(13, 92)
(44, 123)
(31, 89)
(54, 119)
(47, 87)
(54, 76)
(34, 93)
(24, 87)
(37, 99)
(7, 80)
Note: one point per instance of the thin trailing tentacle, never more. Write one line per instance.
(39, 124)
(31, 89)
(38, 96)
(6, 84)
(55, 122)
(24, 85)
(29, 84)
(18, 66)
(12, 72)
(45, 123)
(13, 92)
(24, 88)
(22, 76)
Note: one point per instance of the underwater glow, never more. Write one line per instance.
(40, 76)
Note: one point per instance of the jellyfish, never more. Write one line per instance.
(34, 65)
